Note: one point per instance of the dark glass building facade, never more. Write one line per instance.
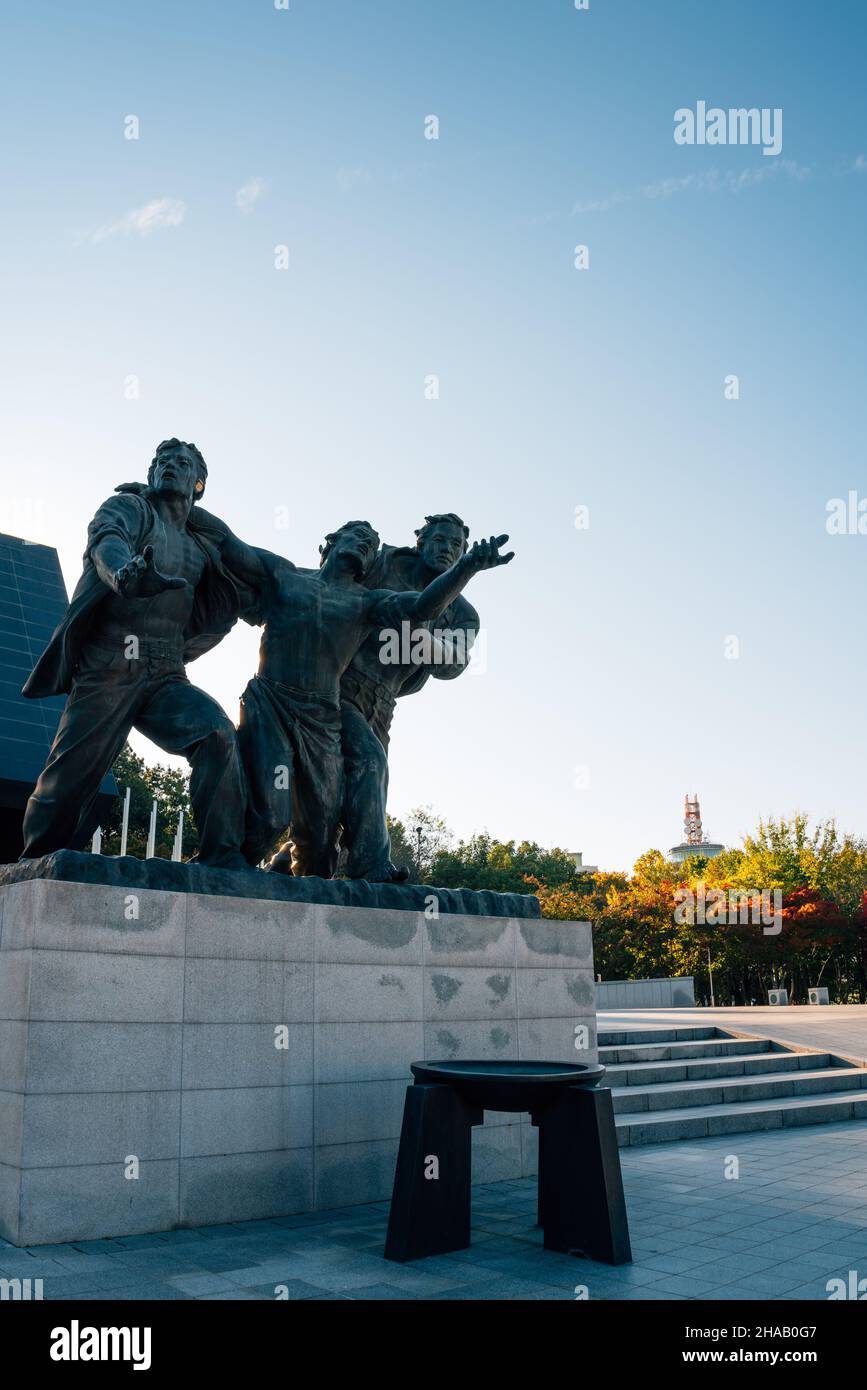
(32, 602)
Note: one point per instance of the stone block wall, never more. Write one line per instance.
(249, 1057)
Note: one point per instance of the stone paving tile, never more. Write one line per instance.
(17, 1265)
(180, 1237)
(237, 1250)
(770, 1283)
(214, 1264)
(76, 1263)
(144, 1291)
(837, 1208)
(731, 1270)
(334, 1254)
(291, 1291)
(76, 1285)
(690, 1286)
(221, 1232)
(724, 1245)
(336, 1279)
(622, 1275)
(490, 1289)
(97, 1247)
(147, 1262)
(307, 1218)
(647, 1293)
(795, 1218)
(422, 1283)
(457, 1271)
(197, 1284)
(775, 1254)
(321, 1243)
(842, 1230)
(529, 1266)
(262, 1224)
(48, 1252)
(386, 1292)
(814, 1263)
(362, 1240)
(238, 1296)
(791, 1225)
(845, 1247)
(277, 1271)
(157, 1241)
(677, 1261)
(596, 1287)
(730, 1293)
(595, 1279)
(333, 1298)
(658, 1245)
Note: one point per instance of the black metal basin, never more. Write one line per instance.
(508, 1085)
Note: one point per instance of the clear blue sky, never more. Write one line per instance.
(558, 388)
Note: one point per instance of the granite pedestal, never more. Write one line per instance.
(183, 1047)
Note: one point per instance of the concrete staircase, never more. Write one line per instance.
(688, 1083)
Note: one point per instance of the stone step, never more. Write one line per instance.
(663, 1126)
(676, 1051)
(734, 1090)
(620, 1037)
(748, 1064)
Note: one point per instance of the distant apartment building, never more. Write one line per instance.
(576, 856)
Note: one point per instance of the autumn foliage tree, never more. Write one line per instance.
(820, 876)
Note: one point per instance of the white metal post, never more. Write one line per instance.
(179, 838)
(124, 828)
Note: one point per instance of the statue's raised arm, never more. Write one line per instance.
(436, 597)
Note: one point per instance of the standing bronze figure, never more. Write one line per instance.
(290, 727)
(158, 589)
(381, 672)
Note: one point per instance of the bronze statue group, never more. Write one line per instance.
(306, 770)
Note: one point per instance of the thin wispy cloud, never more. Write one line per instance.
(711, 181)
(249, 194)
(161, 212)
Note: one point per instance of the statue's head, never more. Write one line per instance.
(179, 468)
(442, 540)
(356, 541)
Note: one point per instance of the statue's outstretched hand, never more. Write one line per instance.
(140, 578)
(485, 555)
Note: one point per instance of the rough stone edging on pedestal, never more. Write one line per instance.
(70, 866)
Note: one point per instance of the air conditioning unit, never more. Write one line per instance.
(818, 995)
(778, 996)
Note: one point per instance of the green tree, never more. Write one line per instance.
(416, 842)
(421, 830)
(504, 866)
(170, 787)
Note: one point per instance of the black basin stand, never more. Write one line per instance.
(581, 1203)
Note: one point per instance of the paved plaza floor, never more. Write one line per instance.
(794, 1217)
